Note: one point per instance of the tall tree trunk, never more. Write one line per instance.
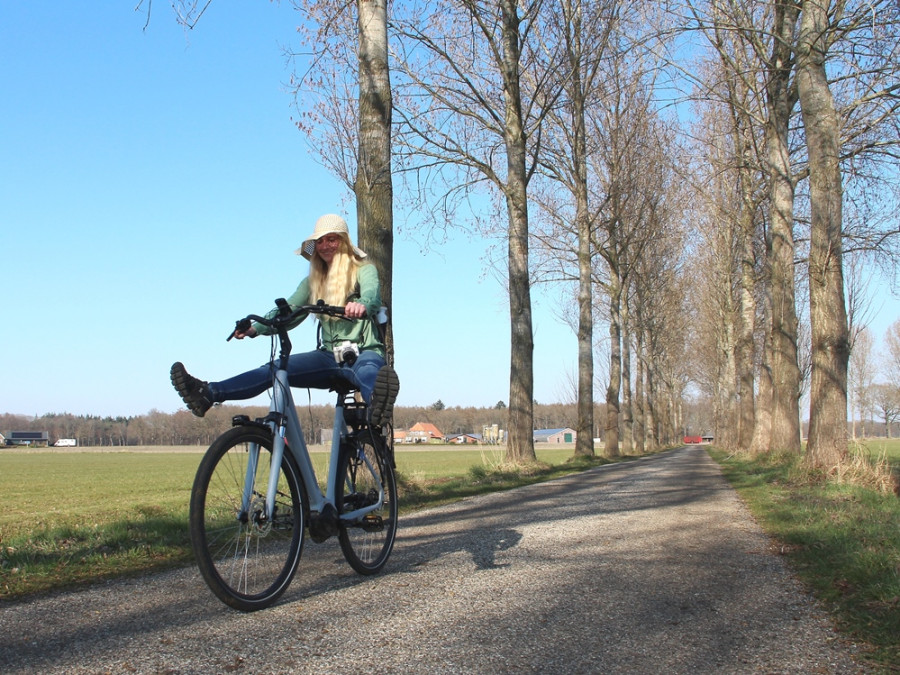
(675, 415)
(651, 423)
(520, 446)
(746, 361)
(762, 427)
(611, 431)
(584, 437)
(726, 425)
(627, 398)
(827, 443)
(639, 395)
(782, 338)
(373, 185)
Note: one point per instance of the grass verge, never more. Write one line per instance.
(842, 539)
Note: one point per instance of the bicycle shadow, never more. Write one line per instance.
(483, 549)
(486, 526)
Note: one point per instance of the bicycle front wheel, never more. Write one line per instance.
(246, 559)
(365, 478)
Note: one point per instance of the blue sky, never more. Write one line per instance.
(153, 189)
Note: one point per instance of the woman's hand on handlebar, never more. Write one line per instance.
(355, 310)
(241, 334)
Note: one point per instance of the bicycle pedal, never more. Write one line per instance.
(372, 523)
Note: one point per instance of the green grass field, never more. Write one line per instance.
(74, 516)
(877, 448)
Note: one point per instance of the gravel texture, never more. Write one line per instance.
(646, 566)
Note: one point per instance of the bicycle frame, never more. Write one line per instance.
(287, 431)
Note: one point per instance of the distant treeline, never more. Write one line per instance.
(182, 428)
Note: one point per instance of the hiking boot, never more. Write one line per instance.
(387, 386)
(194, 392)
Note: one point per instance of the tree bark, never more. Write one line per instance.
(611, 431)
(762, 427)
(827, 443)
(373, 185)
(726, 423)
(627, 398)
(745, 348)
(651, 422)
(639, 404)
(584, 438)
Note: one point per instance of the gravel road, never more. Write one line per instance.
(646, 566)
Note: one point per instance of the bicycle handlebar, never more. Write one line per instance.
(284, 316)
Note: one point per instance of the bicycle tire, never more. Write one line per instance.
(246, 562)
(366, 542)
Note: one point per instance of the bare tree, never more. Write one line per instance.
(887, 399)
(659, 314)
(632, 178)
(723, 212)
(770, 48)
(464, 111)
(860, 377)
(752, 43)
(583, 30)
(627, 396)
(892, 355)
(781, 358)
(827, 442)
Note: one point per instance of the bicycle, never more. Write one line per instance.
(252, 501)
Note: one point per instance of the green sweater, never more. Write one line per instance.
(335, 330)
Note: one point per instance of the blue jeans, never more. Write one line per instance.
(317, 370)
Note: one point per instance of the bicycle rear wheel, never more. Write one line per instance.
(246, 560)
(365, 475)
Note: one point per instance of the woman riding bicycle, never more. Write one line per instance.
(338, 275)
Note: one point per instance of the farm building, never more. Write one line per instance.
(37, 438)
(463, 439)
(565, 435)
(423, 432)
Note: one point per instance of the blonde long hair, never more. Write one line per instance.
(334, 284)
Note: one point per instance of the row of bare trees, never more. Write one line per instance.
(796, 115)
(542, 115)
(542, 124)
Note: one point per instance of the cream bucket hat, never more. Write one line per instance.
(330, 223)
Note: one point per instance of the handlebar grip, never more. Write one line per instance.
(240, 325)
(321, 308)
